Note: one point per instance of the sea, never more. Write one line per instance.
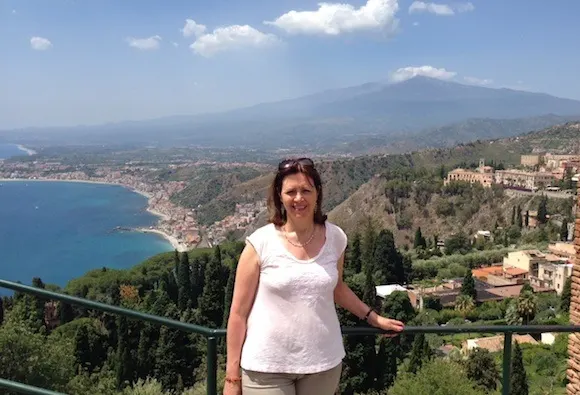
(60, 230)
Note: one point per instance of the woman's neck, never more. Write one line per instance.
(301, 227)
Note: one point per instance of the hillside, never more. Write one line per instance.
(354, 187)
(331, 119)
(453, 134)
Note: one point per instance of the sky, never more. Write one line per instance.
(73, 62)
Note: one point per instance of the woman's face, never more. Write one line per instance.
(298, 196)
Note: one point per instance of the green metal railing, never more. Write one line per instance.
(213, 334)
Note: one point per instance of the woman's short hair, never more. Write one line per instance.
(285, 168)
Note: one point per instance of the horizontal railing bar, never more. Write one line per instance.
(25, 389)
(108, 308)
(523, 329)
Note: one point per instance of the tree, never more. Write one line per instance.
(436, 377)
(183, 283)
(468, 286)
(419, 241)
(527, 219)
(458, 242)
(464, 304)
(519, 379)
(83, 349)
(368, 245)
(1, 311)
(229, 294)
(387, 259)
(519, 219)
(526, 306)
(211, 301)
(354, 264)
(196, 280)
(564, 231)
(420, 353)
(543, 210)
(387, 362)
(66, 313)
(566, 295)
(481, 368)
(513, 222)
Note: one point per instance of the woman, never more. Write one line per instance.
(283, 334)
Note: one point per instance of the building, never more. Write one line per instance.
(527, 260)
(482, 175)
(552, 161)
(565, 250)
(530, 180)
(530, 160)
(552, 275)
(494, 343)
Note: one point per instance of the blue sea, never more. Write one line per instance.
(9, 150)
(60, 230)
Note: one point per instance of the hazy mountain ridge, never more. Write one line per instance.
(327, 120)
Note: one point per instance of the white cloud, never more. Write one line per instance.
(478, 81)
(13, 12)
(335, 18)
(40, 43)
(145, 44)
(440, 9)
(415, 23)
(232, 37)
(192, 28)
(406, 73)
(175, 44)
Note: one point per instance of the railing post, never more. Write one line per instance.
(507, 363)
(211, 365)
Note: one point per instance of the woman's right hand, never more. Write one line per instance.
(233, 388)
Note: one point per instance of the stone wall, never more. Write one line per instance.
(573, 387)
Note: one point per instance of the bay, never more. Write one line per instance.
(60, 230)
(10, 150)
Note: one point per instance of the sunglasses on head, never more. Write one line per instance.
(288, 163)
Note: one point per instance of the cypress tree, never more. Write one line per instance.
(229, 294)
(468, 286)
(519, 379)
(66, 313)
(564, 231)
(388, 261)
(519, 220)
(212, 298)
(83, 349)
(183, 283)
(566, 295)
(421, 352)
(387, 362)
(513, 215)
(527, 219)
(419, 241)
(543, 210)
(1, 311)
(144, 351)
(368, 246)
(354, 264)
(124, 370)
(196, 281)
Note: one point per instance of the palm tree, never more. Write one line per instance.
(464, 304)
(526, 306)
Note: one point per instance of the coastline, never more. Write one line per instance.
(175, 243)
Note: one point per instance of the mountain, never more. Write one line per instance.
(325, 120)
(449, 135)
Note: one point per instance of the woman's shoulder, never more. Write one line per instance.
(334, 228)
(337, 235)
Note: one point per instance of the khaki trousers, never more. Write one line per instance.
(323, 383)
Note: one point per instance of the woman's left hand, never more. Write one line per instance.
(388, 324)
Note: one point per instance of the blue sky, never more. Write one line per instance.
(67, 62)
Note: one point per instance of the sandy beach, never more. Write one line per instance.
(174, 242)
